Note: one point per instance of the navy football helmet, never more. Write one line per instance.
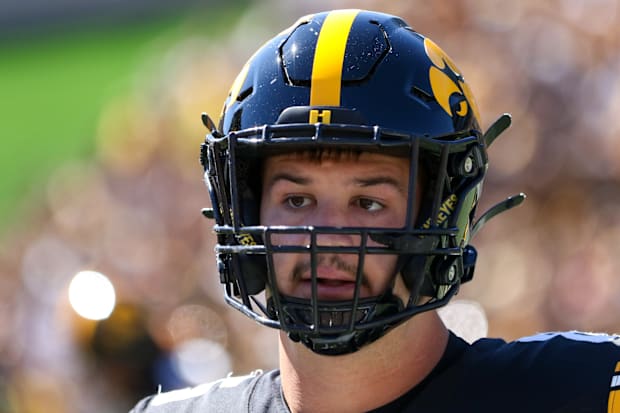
(352, 80)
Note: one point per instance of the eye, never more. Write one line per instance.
(369, 205)
(297, 201)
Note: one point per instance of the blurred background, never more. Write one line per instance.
(107, 281)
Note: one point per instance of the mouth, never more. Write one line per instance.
(331, 285)
(329, 289)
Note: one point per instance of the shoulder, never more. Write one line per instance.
(566, 347)
(578, 338)
(551, 353)
(569, 369)
(230, 394)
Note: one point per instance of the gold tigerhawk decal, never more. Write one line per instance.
(446, 79)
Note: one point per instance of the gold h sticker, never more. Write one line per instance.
(326, 77)
(320, 115)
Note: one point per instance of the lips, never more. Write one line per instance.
(332, 284)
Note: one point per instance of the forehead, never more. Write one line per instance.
(333, 158)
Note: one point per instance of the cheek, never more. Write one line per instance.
(264, 216)
(295, 239)
(283, 269)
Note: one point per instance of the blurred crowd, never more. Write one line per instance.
(133, 213)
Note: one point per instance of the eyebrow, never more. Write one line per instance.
(284, 176)
(362, 182)
(381, 180)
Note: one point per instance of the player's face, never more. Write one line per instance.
(364, 190)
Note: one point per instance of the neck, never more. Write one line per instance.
(369, 378)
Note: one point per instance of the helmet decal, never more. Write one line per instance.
(446, 80)
(236, 86)
(319, 115)
(329, 58)
(445, 210)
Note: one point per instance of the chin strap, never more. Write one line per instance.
(333, 336)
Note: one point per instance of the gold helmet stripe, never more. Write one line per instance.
(329, 57)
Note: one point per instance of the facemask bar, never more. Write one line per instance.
(313, 249)
(442, 238)
(233, 226)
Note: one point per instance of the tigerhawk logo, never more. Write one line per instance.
(446, 80)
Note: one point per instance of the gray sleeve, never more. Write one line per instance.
(231, 394)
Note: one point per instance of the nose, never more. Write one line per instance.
(333, 216)
(325, 217)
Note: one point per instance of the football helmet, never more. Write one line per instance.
(353, 80)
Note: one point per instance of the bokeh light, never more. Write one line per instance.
(201, 360)
(92, 295)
